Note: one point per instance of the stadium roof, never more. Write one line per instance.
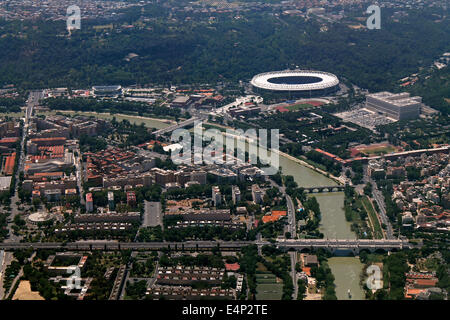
(107, 88)
(327, 80)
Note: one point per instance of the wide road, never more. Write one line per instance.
(2, 262)
(383, 216)
(176, 126)
(292, 225)
(234, 245)
(7, 257)
(291, 216)
(79, 173)
(293, 256)
(379, 198)
(33, 100)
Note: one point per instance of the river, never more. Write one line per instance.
(346, 270)
(304, 176)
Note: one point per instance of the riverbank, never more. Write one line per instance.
(303, 163)
(305, 174)
(339, 180)
(373, 218)
(153, 122)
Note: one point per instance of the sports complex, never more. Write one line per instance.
(296, 83)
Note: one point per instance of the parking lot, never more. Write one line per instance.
(364, 118)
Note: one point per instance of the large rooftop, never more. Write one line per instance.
(397, 99)
(295, 80)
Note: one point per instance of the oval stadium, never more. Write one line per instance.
(296, 83)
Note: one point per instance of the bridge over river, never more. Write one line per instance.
(355, 245)
(324, 189)
(301, 244)
(176, 126)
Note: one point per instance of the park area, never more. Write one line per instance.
(299, 106)
(268, 287)
(374, 149)
(378, 232)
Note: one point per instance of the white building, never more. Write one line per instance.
(111, 204)
(257, 194)
(399, 106)
(216, 196)
(236, 194)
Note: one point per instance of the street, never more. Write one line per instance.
(291, 216)
(291, 210)
(79, 172)
(32, 101)
(384, 218)
(293, 256)
(7, 259)
(2, 271)
(379, 198)
(357, 244)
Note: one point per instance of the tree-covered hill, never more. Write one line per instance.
(173, 49)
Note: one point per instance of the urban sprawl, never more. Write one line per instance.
(93, 207)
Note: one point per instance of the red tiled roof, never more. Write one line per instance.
(279, 213)
(307, 270)
(270, 218)
(47, 174)
(412, 292)
(274, 216)
(325, 153)
(426, 282)
(48, 139)
(232, 266)
(9, 164)
(9, 140)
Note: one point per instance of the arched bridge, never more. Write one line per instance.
(324, 189)
(176, 126)
(355, 245)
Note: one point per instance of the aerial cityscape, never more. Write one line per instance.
(232, 150)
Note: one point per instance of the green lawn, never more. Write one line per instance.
(267, 288)
(378, 233)
(12, 114)
(269, 291)
(379, 150)
(299, 106)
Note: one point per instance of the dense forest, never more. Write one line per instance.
(179, 50)
(11, 105)
(435, 90)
